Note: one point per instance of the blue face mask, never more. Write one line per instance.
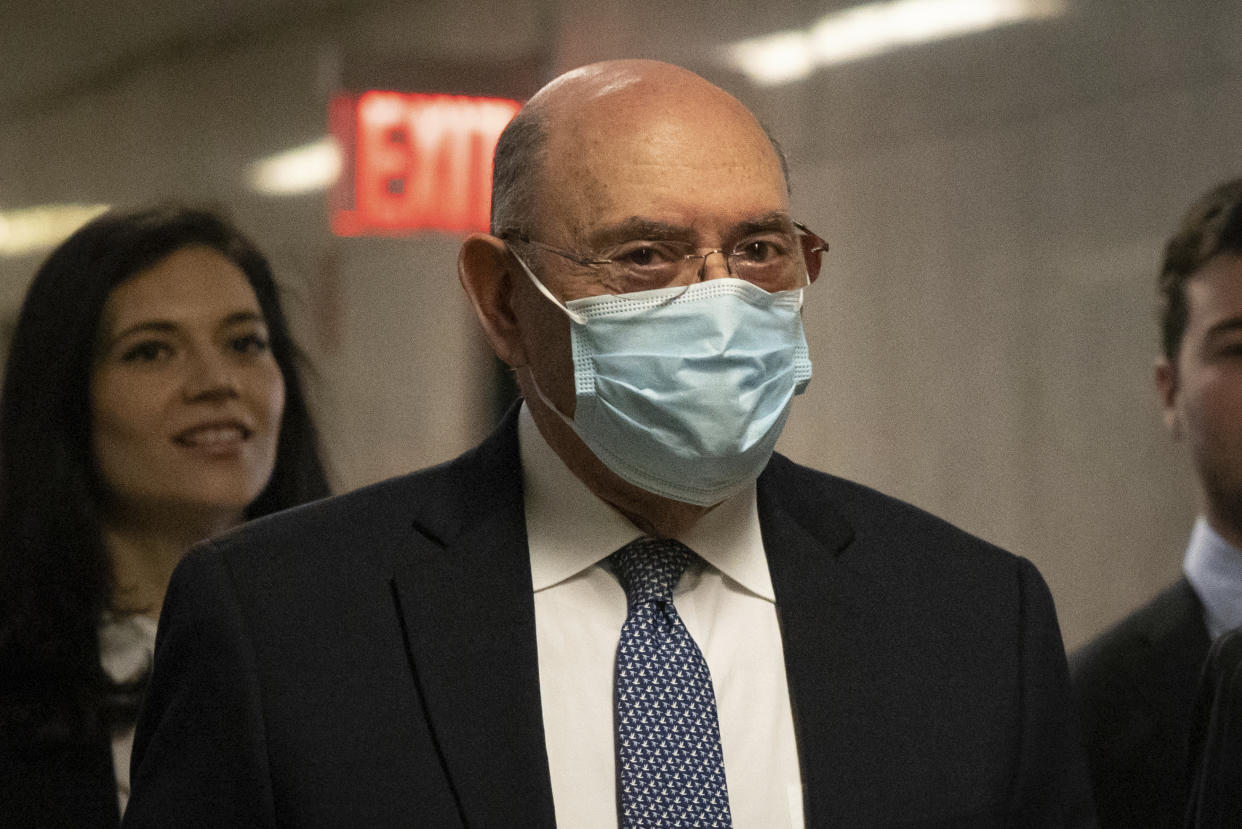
(683, 391)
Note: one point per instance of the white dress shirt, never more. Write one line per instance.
(727, 604)
(1213, 567)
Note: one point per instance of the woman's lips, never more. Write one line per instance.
(209, 436)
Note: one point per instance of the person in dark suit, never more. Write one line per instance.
(151, 398)
(1137, 682)
(621, 608)
(1215, 800)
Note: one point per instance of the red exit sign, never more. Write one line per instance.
(415, 161)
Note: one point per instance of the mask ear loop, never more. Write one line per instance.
(801, 289)
(543, 289)
(573, 315)
(547, 401)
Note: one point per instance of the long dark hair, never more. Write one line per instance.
(55, 576)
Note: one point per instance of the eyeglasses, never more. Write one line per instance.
(773, 260)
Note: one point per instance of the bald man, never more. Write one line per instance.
(622, 609)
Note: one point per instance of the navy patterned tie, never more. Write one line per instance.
(670, 769)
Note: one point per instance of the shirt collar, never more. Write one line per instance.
(1213, 567)
(569, 529)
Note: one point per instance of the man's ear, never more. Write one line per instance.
(1167, 388)
(483, 268)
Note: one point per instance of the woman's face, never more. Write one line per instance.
(186, 396)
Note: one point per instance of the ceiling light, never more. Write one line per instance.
(863, 31)
(306, 169)
(775, 59)
(34, 229)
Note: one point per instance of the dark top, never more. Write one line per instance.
(1136, 686)
(370, 660)
(1216, 740)
(58, 785)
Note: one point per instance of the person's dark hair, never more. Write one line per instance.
(516, 163)
(1213, 226)
(55, 575)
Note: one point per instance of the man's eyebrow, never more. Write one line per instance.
(777, 220)
(1229, 325)
(636, 227)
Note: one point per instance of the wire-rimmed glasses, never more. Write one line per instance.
(774, 260)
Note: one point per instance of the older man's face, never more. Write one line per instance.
(681, 159)
(1202, 391)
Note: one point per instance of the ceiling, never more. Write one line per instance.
(53, 53)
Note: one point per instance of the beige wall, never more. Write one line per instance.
(983, 330)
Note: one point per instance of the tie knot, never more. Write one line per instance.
(650, 568)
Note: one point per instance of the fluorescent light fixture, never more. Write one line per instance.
(34, 229)
(872, 29)
(774, 59)
(304, 169)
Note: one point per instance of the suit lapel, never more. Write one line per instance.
(467, 608)
(1177, 641)
(820, 601)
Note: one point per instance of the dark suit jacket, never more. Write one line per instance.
(1215, 799)
(1136, 686)
(370, 661)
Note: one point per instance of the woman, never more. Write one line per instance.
(150, 400)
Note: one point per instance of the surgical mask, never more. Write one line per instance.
(683, 391)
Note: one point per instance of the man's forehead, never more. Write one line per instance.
(649, 99)
(1221, 275)
(656, 142)
(626, 184)
(1215, 291)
